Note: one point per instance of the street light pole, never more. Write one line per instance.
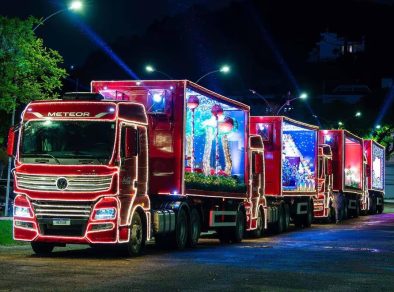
(262, 97)
(151, 69)
(224, 69)
(302, 96)
(75, 5)
(48, 17)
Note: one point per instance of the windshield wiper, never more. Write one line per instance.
(42, 155)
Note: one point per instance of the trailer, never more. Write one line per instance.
(135, 160)
(348, 170)
(291, 155)
(375, 176)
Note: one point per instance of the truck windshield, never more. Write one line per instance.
(67, 142)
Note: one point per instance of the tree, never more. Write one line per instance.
(28, 70)
(385, 137)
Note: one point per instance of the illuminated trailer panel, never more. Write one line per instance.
(375, 154)
(347, 153)
(290, 155)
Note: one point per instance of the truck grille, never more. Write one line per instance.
(58, 209)
(76, 212)
(87, 183)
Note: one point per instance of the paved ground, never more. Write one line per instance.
(356, 255)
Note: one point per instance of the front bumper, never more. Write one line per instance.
(58, 222)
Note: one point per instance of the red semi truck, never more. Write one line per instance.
(291, 154)
(134, 160)
(375, 175)
(343, 171)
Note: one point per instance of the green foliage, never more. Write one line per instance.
(385, 137)
(6, 234)
(28, 70)
(215, 183)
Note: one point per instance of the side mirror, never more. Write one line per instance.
(11, 142)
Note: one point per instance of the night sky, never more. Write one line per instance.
(110, 19)
(267, 44)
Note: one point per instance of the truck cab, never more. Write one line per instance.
(322, 203)
(77, 161)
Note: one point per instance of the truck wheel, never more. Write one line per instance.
(181, 230)
(331, 215)
(357, 211)
(258, 232)
(372, 206)
(137, 236)
(278, 226)
(286, 217)
(194, 228)
(380, 209)
(42, 248)
(309, 216)
(239, 230)
(345, 213)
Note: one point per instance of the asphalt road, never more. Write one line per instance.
(355, 255)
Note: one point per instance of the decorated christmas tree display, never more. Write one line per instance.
(298, 148)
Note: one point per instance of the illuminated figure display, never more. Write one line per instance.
(213, 142)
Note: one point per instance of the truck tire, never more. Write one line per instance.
(136, 242)
(239, 230)
(179, 238)
(286, 217)
(308, 218)
(194, 228)
(331, 215)
(357, 211)
(259, 231)
(380, 209)
(345, 211)
(278, 225)
(42, 248)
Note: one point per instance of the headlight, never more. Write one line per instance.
(22, 212)
(105, 214)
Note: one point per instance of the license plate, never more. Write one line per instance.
(58, 222)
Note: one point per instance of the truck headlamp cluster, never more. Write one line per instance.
(22, 212)
(105, 214)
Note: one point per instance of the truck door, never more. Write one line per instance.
(129, 150)
(257, 179)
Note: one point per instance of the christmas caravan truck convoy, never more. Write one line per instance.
(353, 167)
(165, 159)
